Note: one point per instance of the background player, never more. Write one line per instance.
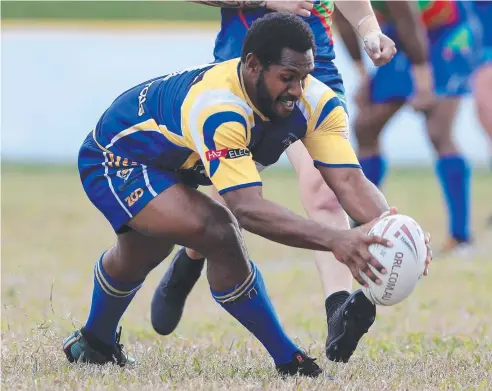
(482, 80)
(159, 140)
(408, 78)
(318, 200)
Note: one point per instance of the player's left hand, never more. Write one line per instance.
(379, 47)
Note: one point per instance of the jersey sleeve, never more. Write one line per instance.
(221, 138)
(327, 136)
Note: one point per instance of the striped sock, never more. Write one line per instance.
(110, 299)
(250, 305)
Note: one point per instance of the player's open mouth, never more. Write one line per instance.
(287, 103)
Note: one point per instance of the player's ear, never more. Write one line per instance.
(253, 64)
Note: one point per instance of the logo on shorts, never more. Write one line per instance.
(134, 196)
(226, 153)
(142, 97)
(124, 174)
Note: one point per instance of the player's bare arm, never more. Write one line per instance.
(274, 222)
(299, 7)
(413, 36)
(379, 47)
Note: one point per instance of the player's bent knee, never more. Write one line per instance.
(218, 231)
(317, 197)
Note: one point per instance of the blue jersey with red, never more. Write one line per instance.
(451, 51)
(235, 23)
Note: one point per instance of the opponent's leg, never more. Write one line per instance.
(192, 219)
(452, 170)
(368, 126)
(482, 92)
(349, 316)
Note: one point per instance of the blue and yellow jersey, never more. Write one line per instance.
(200, 122)
(235, 23)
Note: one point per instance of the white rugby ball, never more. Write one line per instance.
(404, 262)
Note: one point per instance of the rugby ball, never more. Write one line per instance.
(404, 262)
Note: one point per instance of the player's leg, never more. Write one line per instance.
(482, 93)
(349, 315)
(452, 171)
(235, 281)
(368, 125)
(118, 275)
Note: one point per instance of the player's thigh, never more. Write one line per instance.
(190, 218)
(482, 86)
(315, 193)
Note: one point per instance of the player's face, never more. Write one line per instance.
(278, 87)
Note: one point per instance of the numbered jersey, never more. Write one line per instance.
(200, 122)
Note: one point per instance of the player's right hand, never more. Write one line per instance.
(351, 249)
(301, 8)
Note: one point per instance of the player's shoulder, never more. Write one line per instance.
(218, 91)
(316, 94)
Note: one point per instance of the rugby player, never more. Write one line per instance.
(482, 83)
(318, 200)
(160, 140)
(409, 78)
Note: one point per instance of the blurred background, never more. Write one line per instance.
(63, 62)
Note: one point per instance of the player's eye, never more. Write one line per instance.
(287, 79)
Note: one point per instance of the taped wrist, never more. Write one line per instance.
(367, 25)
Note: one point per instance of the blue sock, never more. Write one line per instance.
(110, 300)
(250, 305)
(374, 168)
(454, 175)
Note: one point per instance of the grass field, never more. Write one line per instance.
(440, 338)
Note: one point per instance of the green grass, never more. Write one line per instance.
(109, 10)
(439, 338)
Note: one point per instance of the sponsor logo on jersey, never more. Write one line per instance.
(226, 153)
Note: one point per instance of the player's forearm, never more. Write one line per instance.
(361, 200)
(349, 37)
(232, 4)
(280, 225)
(411, 31)
(360, 15)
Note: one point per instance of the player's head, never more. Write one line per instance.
(278, 54)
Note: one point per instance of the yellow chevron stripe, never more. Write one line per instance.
(108, 288)
(240, 290)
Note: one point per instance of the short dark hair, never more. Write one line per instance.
(275, 31)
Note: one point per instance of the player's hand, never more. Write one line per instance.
(379, 47)
(351, 249)
(301, 8)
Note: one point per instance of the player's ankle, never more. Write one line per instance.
(334, 301)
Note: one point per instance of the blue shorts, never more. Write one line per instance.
(118, 187)
(452, 61)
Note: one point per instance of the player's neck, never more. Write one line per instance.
(249, 90)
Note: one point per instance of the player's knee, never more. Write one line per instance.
(318, 198)
(219, 229)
